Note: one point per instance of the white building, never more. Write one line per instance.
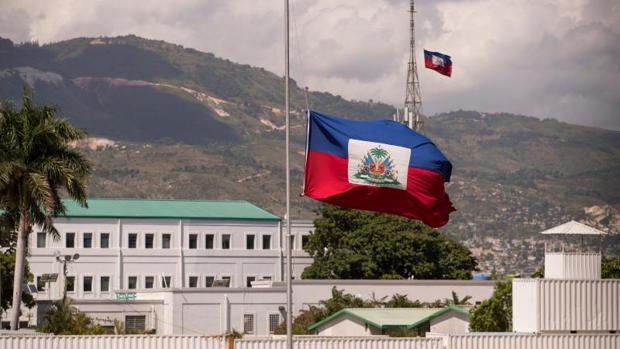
(153, 265)
(361, 322)
(572, 297)
(126, 244)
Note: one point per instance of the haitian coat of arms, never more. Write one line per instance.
(377, 167)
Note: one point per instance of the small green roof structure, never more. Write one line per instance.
(386, 318)
(168, 209)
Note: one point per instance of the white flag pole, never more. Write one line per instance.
(289, 264)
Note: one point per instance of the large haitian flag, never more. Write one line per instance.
(377, 165)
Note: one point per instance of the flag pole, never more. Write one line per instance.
(289, 264)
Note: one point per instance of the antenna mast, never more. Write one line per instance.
(413, 100)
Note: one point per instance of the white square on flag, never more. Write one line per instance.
(437, 61)
(378, 164)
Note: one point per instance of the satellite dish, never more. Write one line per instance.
(76, 256)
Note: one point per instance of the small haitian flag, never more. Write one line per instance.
(439, 62)
(378, 165)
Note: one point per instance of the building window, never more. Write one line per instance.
(132, 282)
(87, 285)
(228, 280)
(132, 240)
(166, 281)
(148, 240)
(209, 281)
(70, 283)
(274, 321)
(267, 277)
(248, 280)
(193, 241)
(226, 242)
(304, 241)
(70, 240)
(209, 241)
(249, 242)
(149, 281)
(292, 240)
(165, 241)
(248, 323)
(40, 285)
(193, 281)
(266, 242)
(41, 240)
(104, 283)
(135, 323)
(87, 240)
(104, 240)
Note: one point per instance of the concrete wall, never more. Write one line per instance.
(310, 292)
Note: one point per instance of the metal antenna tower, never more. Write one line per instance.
(413, 99)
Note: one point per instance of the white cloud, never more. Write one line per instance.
(547, 58)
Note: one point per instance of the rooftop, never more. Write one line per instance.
(168, 209)
(383, 318)
(573, 228)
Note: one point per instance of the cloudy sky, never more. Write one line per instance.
(545, 58)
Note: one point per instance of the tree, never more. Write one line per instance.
(402, 301)
(7, 266)
(353, 244)
(610, 268)
(458, 301)
(495, 313)
(63, 318)
(36, 164)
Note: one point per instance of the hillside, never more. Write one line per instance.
(187, 124)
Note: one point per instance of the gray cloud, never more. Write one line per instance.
(548, 58)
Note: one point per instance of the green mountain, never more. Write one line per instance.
(187, 124)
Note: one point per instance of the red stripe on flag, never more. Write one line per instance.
(425, 199)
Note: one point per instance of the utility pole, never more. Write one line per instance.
(412, 114)
(64, 260)
(287, 217)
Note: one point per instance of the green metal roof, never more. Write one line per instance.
(171, 209)
(383, 318)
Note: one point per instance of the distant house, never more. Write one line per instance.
(381, 321)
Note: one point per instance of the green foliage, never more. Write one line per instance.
(7, 267)
(64, 319)
(36, 165)
(610, 268)
(495, 313)
(352, 244)
(458, 301)
(402, 301)
(539, 273)
(36, 162)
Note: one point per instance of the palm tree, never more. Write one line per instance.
(36, 164)
(459, 301)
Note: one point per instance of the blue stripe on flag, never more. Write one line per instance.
(331, 135)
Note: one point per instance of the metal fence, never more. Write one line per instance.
(532, 341)
(459, 341)
(317, 342)
(111, 342)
